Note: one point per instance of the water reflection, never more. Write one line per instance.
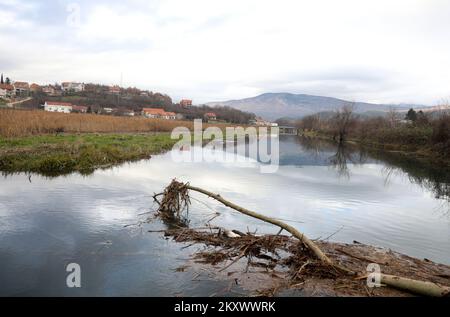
(376, 198)
(431, 177)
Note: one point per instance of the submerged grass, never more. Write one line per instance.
(53, 155)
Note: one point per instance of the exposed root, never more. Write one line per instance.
(174, 206)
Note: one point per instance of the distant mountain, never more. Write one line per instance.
(272, 106)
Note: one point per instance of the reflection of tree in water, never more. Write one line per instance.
(344, 154)
(316, 147)
(339, 161)
(428, 175)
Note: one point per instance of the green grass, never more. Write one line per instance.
(53, 155)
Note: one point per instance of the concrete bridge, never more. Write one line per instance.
(286, 130)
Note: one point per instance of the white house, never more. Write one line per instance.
(156, 113)
(63, 107)
(6, 91)
(71, 86)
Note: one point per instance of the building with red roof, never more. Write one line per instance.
(7, 91)
(157, 113)
(211, 116)
(186, 103)
(57, 106)
(21, 88)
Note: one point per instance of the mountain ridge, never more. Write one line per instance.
(272, 106)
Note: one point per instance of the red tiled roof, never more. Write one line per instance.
(56, 103)
(157, 111)
(6, 87)
(21, 85)
(210, 114)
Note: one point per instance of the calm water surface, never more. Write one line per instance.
(323, 190)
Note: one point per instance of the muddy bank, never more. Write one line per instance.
(279, 265)
(295, 259)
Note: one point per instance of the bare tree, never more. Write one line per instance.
(343, 120)
(392, 117)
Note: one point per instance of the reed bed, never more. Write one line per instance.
(21, 123)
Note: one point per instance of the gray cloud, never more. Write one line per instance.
(381, 51)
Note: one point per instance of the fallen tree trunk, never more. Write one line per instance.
(177, 193)
(310, 244)
(415, 286)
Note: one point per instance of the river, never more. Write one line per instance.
(99, 221)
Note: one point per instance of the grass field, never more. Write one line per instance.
(54, 144)
(53, 155)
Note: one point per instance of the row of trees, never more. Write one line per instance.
(414, 129)
(225, 113)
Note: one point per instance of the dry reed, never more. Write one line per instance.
(20, 123)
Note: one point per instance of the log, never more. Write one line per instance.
(415, 286)
(402, 283)
(304, 239)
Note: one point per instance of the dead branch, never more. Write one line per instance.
(176, 200)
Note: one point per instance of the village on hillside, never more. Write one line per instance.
(75, 97)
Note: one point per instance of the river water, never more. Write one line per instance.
(97, 221)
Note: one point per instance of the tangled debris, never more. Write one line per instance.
(269, 252)
(297, 259)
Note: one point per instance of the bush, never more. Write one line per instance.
(441, 130)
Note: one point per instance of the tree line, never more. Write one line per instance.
(415, 129)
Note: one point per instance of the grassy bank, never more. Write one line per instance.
(426, 153)
(425, 139)
(53, 155)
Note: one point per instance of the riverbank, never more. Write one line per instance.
(424, 153)
(53, 155)
(265, 273)
(295, 260)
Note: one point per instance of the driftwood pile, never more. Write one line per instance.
(301, 256)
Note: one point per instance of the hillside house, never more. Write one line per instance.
(21, 88)
(210, 116)
(115, 90)
(35, 88)
(72, 87)
(7, 91)
(156, 113)
(51, 90)
(56, 106)
(186, 103)
(263, 123)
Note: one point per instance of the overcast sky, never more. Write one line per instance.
(376, 51)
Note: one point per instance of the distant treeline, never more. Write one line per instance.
(227, 114)
(427, 134)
